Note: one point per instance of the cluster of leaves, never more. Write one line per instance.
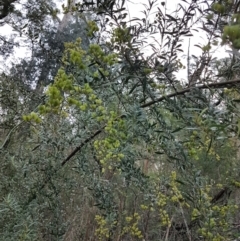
(119, 148)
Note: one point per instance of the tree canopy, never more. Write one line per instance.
(115, 128)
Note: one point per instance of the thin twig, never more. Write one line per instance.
(168, 229)
(185, 222)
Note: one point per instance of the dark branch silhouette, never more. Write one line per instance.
(220, 85)
(228, 84)
(6, 8)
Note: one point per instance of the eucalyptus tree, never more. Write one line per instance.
(41, 34)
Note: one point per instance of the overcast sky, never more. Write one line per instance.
(135, 7)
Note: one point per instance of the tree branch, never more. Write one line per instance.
(228, 84)
(81, 145)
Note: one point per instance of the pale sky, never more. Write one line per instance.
(135, 7)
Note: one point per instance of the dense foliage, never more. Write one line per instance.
(101, 137)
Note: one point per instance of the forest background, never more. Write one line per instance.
(103, 140)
